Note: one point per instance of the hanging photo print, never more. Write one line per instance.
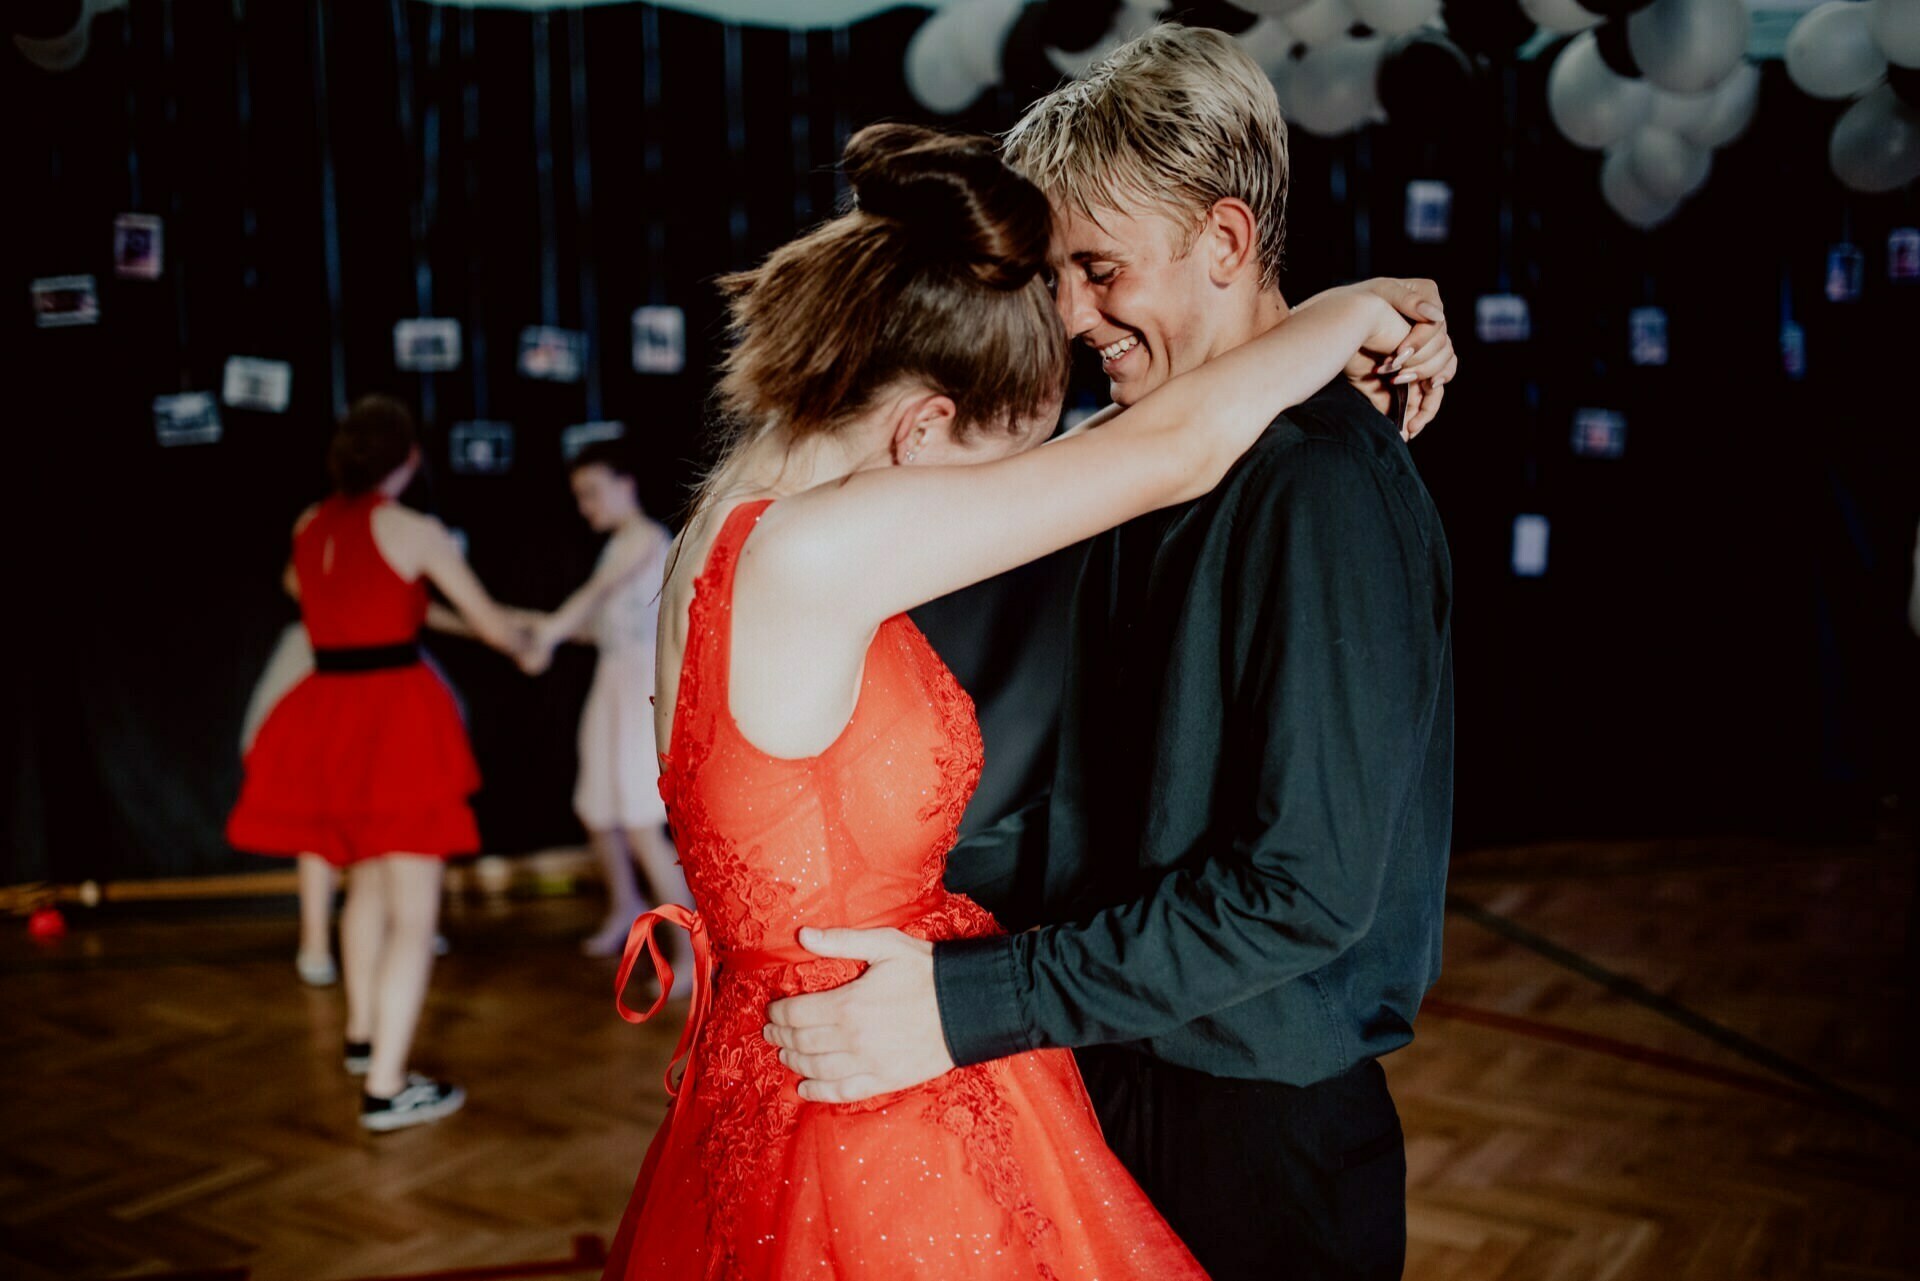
(426, 345)
(63, 301)
(1502, 318)
(659, 340)
(136, 247)
(264, 385)
(1846, 273)
(190, 418)
(1429, 211)
(555, 355)
(1599, 433)
(1903, 253)
(1529, 546)
(1647, 336)
(1793, 350)
(480, 448)
(580, 435)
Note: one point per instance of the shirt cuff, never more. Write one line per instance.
(976, 982)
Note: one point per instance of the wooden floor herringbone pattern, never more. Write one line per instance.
(172, 1097)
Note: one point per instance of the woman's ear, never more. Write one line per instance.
(921, 418)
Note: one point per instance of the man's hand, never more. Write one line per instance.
(877, 1034)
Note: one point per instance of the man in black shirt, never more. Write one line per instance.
(1237, 878)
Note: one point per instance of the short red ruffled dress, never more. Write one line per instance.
(367, 755)
(990, 1172)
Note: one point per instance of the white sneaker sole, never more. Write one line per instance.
(381, 1122)
(320, 973)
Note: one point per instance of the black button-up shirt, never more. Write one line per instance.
(1243, 858)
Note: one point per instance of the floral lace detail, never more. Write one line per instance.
(968, 1104)
(735, 900)
(744, 1112)
(750, 1106)
(960, 756)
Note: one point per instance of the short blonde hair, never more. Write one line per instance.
(1175, 120)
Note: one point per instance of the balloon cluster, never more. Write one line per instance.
(1656, 85)
(1869, 51)
(1337, 65)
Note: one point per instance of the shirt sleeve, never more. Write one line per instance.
(1337, 625)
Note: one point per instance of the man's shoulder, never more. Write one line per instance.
(1335, 433)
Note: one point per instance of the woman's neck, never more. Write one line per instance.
(776, 466)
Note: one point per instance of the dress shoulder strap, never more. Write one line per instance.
(709, 657)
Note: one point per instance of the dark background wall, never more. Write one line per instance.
(1719, 642)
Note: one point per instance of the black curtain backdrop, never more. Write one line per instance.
(1719, 642)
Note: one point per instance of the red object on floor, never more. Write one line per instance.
(46, 924)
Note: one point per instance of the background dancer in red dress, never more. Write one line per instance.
(365, 763)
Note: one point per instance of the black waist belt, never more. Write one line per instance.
(367, 658)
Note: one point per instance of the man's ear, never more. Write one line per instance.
(1230, 238)
(919, 418)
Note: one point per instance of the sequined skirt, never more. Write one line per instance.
(990, 1172)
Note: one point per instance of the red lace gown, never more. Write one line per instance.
(370, 758)
(996, 1171)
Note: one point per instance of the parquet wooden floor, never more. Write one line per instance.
(170, 1096)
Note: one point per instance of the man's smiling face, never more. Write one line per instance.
(1128, 284)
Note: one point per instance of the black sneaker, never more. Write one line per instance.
(420, 1100)
(357, 1056)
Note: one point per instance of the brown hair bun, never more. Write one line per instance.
(955, 196)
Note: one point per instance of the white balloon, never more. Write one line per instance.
(1561, 17)
(1591, 105)
(1270, 43)
(1876, 144)
(1134, 19)
(982, 31)
(1395, 17)
(1689, 46)
(1667, 166)
(1284, 75)
(1896, 29)
(1333, 89)
(1272, 8)
(1319, 21)
(1831, 52)
(1734, 103)
(1626, 197)
(66, 51)
(1680, 111)
(937, 75)
(55, 53)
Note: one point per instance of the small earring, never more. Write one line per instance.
(911, 454)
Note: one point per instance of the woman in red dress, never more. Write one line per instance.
(818, 755)
(365, 762)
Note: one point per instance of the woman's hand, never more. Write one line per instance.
(535, 654)
(1421, 358)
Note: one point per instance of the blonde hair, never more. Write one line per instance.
(1175, 120)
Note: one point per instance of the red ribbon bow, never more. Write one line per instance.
(641, 937)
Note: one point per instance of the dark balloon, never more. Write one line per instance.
(1074, 26)
(1905, 83)
(1491, 27)
(1026, 71)
(1611, 39)
(1218, 14)
(1419, 73)
(44, 19)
